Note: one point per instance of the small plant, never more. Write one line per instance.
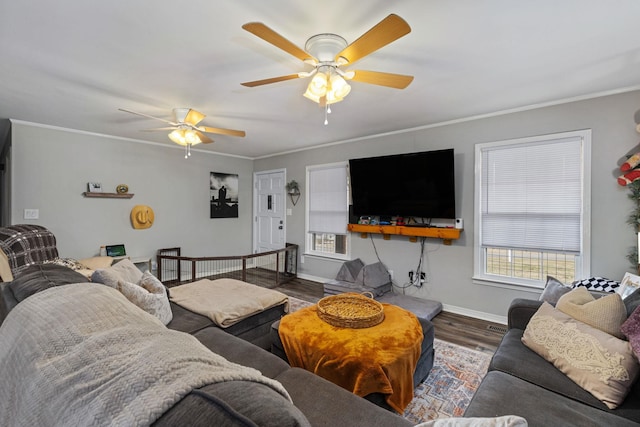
(634, 219)
(293, 187)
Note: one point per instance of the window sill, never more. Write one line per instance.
(504, 284)
(327, 257)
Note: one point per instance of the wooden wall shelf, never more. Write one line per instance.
(108, 195)
(446, 234)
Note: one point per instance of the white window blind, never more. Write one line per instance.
(531, 195)
(328, 205)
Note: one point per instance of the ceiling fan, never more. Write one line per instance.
(185, 129)
(327, 53)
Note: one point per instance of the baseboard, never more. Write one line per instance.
(312, 278)
(475, 314)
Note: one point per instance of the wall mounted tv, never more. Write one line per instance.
(419, 185)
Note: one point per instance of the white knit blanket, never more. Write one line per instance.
(82, 355)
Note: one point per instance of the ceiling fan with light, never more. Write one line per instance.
(327, 53)
(185, 129)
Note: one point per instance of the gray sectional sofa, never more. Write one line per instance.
(520, 382)
(315, 401)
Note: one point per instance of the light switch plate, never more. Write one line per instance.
(31, 213)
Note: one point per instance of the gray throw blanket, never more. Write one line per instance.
(81, 354)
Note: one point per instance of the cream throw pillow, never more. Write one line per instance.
(607, 313)
(598, 362)
(150, 295)
(97, 262)
(5, 269)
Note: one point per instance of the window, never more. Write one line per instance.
(327, 210)
(532, 217)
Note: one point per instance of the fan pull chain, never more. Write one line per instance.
(187, 151)
(327, 110)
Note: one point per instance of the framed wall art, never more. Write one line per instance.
(223, 195)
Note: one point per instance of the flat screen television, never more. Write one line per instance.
(419, 185)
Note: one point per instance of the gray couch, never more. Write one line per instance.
(316, 401)
(520, 382)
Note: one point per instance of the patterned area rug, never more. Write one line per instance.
(456, 374)
(454, 378)
(296, 304)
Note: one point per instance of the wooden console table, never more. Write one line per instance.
(446, 234)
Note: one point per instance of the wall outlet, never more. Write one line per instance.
(31, 213)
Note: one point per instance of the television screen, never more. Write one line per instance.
(419, 185)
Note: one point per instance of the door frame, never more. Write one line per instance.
(254, 220)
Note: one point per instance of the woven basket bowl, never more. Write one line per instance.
(350, 310)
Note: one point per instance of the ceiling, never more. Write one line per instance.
(73, 63)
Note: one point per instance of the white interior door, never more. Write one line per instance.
(269, 216)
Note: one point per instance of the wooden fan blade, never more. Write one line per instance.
(271, 80)
(194, 117)
(270, 36)
(148, 116)
(221, 131)
(157, 129)
(386, 31)
(204, 138)
(398, 81)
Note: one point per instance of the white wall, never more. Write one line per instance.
(611, 119)
(51, 168)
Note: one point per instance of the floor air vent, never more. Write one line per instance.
(499, 329)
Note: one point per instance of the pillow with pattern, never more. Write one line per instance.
(575, 348)
(71, 263)
(597, 284)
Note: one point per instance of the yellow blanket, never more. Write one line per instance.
(226, 301)
(380, 359)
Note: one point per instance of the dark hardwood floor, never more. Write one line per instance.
(462, 330)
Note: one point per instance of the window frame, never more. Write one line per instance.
(583, 259)
(309, 236)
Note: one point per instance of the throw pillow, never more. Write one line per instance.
(71, 263)
(598, 362)
(38, 277)
(606, 313)
(597, 284)
(553, 290)
(5, 268)
(97, 262)
(123, 270)
(631, 329)
(632, 302)
(150, 295)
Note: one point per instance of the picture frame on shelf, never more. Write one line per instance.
(94, 187)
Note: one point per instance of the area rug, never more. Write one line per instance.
(454, 378)
(296, 304)
(456, 374)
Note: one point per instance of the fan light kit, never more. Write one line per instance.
(185, 129)
(326, 53)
